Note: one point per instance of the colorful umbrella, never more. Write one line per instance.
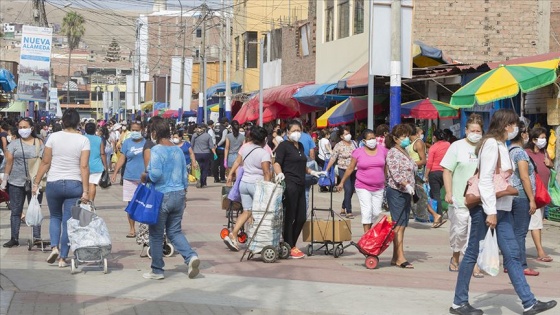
(505, 82)
(349, 110)
(171, 113)
(428, 109)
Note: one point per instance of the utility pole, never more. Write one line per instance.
(134, 110)
(395, 89)
(371, 80)
(261, 81)
(221, 47)
(39, 13)
(203, 55)
(228, 67)
(182, 81)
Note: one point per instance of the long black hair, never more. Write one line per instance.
(235, 128)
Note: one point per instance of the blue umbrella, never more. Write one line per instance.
(315, 95)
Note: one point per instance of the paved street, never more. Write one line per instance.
(315, 285)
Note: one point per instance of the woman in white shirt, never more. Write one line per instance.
(495, 213)
(325, 149)
(66, 158)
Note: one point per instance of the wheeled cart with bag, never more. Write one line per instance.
(231, 202)
(375, 241)
(143, 239)
(89, 237)
(326, 234)
(268, 221)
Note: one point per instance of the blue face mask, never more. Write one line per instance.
(135, 135)
(405, 142)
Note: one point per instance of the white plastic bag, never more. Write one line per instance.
(33, 215)
(489, 254)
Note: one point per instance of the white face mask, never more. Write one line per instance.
(176, 140)
(242, 132)
(9, 138)
(541, 143)
(295, 136)
(474, 137)
(24, 133)
(371, 143)
(347, 137)
(513, 134)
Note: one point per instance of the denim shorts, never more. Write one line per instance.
(247, 191)
(399, 206)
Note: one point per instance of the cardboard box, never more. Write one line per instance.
(226, 202)
(323, 231)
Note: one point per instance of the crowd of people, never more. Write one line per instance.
(399, 167)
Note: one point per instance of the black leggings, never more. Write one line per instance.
(435, 179)
(295, 213)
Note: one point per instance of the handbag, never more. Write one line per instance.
(542, 197)
(34, 167)
(105, 182)
(145, 204)
(501, 185)
(554, 188)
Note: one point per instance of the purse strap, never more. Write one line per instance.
(498, 163)
(24, 161)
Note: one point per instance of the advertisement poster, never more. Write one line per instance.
(35, 63)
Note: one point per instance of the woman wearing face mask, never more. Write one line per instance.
(400, 171)
(17, 155)
(234, 141)
(370, 177)
(536, 149)
(459, 164)
(255, 160)
(131, 153)
(186, 147)
(291, 166)
(342, 154)
(495, 213)
(523, 205)
(434, 173)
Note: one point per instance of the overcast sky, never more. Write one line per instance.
(139, 5)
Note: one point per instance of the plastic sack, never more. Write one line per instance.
(489, 254)
(377, 239)
(234, 194)
(267, 214)
(328, 181)
(551, 148)
(33, 215)
(554, 189)
(95, 234)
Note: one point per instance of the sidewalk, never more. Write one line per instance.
(315, 285)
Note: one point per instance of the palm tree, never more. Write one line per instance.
(73, 28)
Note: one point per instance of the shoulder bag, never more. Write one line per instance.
(34, 167)
(27, 184)
(501, 186)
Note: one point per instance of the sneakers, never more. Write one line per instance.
(193, 267)
(11, 243)
(295, 253)
(53, 255)
(465, 309)
(231, 244)
(153, 276)
(540, 307)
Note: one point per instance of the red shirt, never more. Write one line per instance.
(435, 155)
(538, 158)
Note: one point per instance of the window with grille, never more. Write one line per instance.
(198, 33)
(359, 16)
(329, 23)
(343, 18)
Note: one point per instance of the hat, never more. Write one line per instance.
(116, 126)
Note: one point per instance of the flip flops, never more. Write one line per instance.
(453, 267)
(545, 259)
(438, 223)
(405, 265)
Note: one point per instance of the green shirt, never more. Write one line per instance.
(461, 160)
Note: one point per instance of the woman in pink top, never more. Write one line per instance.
(434, 171)
(370, 177)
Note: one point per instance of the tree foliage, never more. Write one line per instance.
(113, 52)
(73, 28)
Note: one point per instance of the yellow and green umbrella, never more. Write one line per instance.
(505, 82)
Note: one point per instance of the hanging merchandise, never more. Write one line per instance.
(551, 149)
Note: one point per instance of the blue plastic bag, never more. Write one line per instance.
(145, 204)
(327, 181)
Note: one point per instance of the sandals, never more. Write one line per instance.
(349, 216)
(405, 265)
(452, 266)
(438, 223)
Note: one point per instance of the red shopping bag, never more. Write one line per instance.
(377, 239)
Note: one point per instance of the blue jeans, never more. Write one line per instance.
(17, 200)
(62, 195)
(170, 216)
(349, 186)
(521, 220)
(509, 248)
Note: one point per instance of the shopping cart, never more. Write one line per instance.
(89, 237)
(143, 239)
(267, 225)
(375, 241)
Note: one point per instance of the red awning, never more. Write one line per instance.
(530, 59)
(359, 78)
(278, 102)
